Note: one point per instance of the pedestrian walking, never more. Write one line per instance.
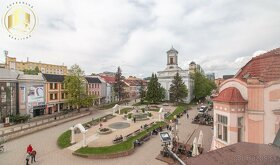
(29, 149)
(187, 115)
(27, 158)
(33, 156)
(134, 119)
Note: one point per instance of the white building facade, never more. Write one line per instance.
(165, 77)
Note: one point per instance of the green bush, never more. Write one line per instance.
(150, 114)
(63, 140)
(129, 115)
(19, 118)
(143, 110)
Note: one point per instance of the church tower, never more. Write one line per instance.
(172, 58)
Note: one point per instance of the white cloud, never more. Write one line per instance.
(135, 34)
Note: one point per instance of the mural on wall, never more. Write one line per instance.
(36, 94)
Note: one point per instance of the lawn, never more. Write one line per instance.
(107, 106)
(125, 109)
(117, 148)
(63, 140)
(180, 109)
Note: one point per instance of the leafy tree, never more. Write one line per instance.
(178, 89)
(155, 92)
(31, 71)
(119, 84)
(75, 87)
(75, 70)
(202, 86)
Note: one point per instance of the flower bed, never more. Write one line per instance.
(104, 131)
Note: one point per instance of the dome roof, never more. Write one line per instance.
(230, 95)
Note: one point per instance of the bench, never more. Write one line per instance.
(117, 140)
(136, 132)
(128, 136)
(151, 124)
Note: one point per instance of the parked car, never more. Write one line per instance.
(203, 109)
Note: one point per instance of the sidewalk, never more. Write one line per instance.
(17, 131)
(50, 117)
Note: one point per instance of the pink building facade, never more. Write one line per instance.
(95, 87)
(247, 108)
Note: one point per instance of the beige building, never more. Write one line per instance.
(11, 63)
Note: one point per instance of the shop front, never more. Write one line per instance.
(39, 110)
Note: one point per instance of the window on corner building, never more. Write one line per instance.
(240, 129)
(222, 132)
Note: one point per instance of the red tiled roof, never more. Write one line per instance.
(242, 153)
(265, 67)
(135, 82)
(230, 95)
(109, 79)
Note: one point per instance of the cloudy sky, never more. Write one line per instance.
(99, 35)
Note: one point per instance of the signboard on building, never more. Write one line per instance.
(36, 94)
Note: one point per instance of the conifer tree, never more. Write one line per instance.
(178, 89)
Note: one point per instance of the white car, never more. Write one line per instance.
(203, 109)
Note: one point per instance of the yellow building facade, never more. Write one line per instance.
(11, 63)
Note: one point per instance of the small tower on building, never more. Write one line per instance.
(172, 58)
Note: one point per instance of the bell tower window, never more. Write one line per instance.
(171, 60)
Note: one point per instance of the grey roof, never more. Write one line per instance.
(225, 77)
(31, 77)
(6, 74)
(172, 50)
(92, 79)
(54, 77)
